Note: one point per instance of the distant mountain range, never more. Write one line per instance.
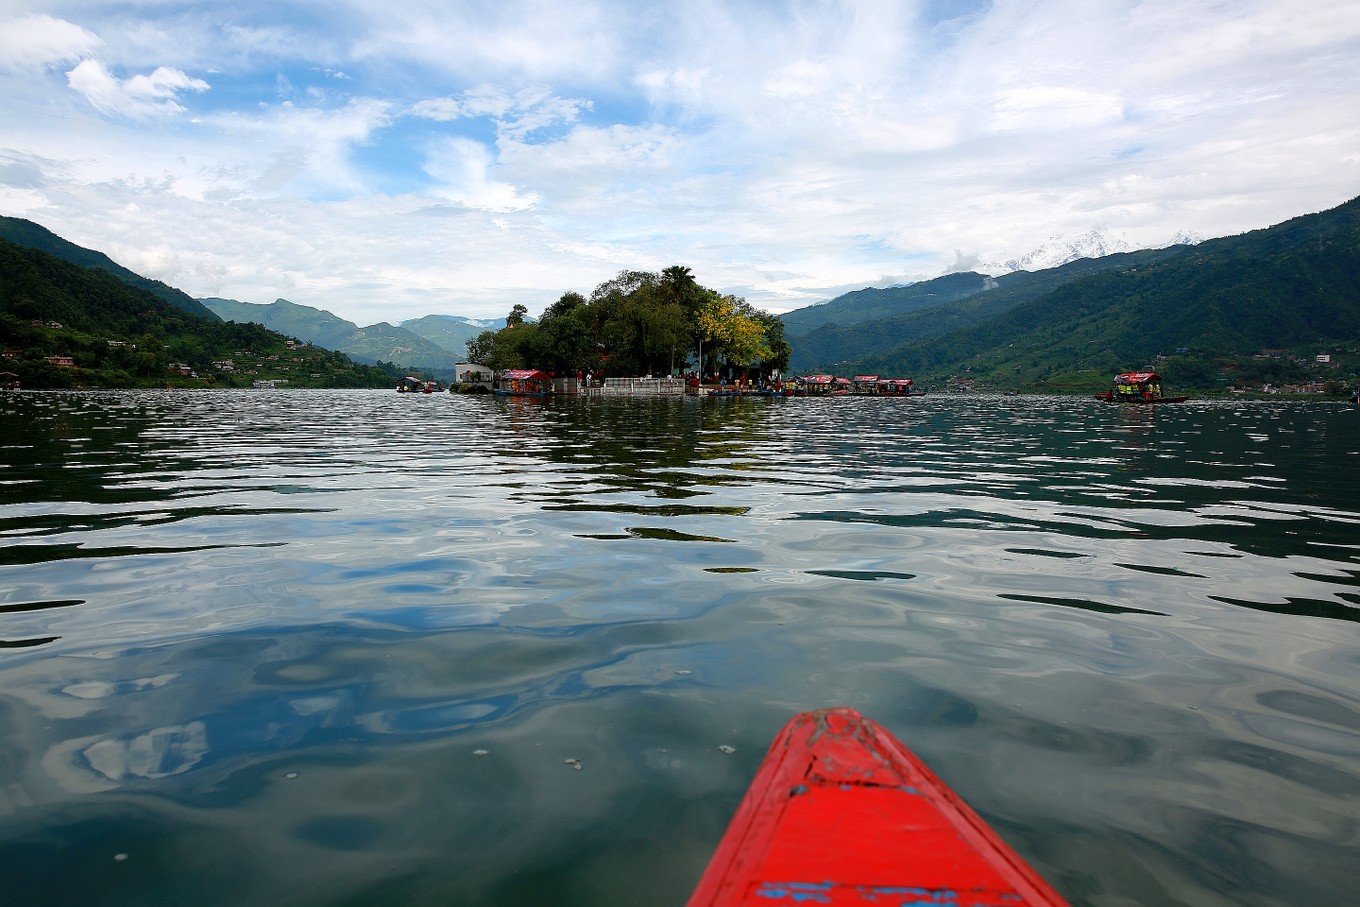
(1062, 249)
(1075, 306)
(432, 343)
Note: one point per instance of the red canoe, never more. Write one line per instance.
(840, 812)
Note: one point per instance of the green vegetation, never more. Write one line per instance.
(63, 325)
(1245, 311)
(33, 236)
(371, 344)
(639, 323)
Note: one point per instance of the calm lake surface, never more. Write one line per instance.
(337, 648)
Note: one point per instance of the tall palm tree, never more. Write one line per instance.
(678, 280)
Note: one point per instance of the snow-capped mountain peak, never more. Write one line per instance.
(1185, 238)
(1062, 248)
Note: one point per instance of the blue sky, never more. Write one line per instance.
(390, 160)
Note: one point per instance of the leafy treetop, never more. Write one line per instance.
(636, 323)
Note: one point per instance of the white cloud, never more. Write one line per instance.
(463, 171)
(39, 41)
(160, 261)
(463, 157)
(516, 115)
(1053, 108)
(139, 97)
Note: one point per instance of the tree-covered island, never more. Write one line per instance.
(639, 323)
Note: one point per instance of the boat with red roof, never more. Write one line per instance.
(1138, 387)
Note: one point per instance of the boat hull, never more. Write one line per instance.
(1109, 397)
(840, 812)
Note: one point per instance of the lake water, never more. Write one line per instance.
(337, 648)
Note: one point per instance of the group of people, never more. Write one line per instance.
(1148, 390)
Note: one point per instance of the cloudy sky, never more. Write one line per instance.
(387, 160)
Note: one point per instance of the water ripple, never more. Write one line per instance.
(350, 640)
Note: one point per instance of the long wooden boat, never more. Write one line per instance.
(840, 812)
(825, 386)
(1138, 387)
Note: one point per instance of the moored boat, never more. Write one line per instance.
(524, 382)
(840, 812)
(1138, 387)
(825, 386)
(865, 386)
(897, 387)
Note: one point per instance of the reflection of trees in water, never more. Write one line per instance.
(78, 446)
(645, 444)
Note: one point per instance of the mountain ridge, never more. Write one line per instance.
(66, 325)
(35, 236)
(1295, 284)
(381, 342)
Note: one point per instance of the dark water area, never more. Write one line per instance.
(338, 648)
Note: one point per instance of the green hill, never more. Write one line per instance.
(64, 325)
(450, 332)
(288, 318)
(385, 342)
(375, 343)
(1295, 286)
(33, 236)
(860, 335)
(872, 304)
(1260, 306)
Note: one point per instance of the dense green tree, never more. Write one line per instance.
(481, 349)
(636, 323)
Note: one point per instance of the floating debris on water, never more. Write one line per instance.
(574, 763)
(684, 671)
(290, 776)
(119, 857)
(727, 750)
(480, 752)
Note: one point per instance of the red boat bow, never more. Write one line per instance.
(840, 812)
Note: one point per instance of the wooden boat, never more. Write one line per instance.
(1138, 387)
(412, 385)
(897, 387)
(747, 389)
(524, 382)
(825, 386)
(865, 386)
(874, 386)
(840, 812)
